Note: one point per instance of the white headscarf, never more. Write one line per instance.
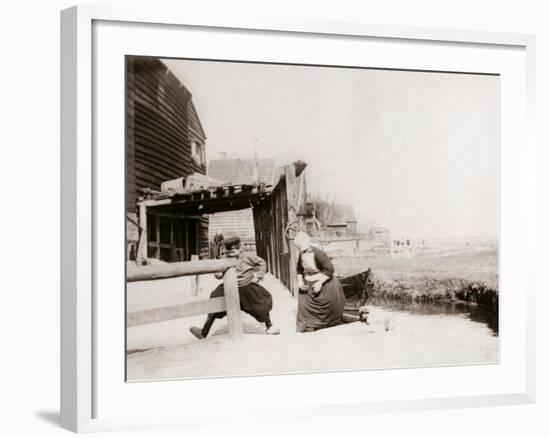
(302, 240)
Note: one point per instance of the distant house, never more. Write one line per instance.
(164, 140)
(232, 172)
(342, 221)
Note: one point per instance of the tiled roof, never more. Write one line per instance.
(241, 171)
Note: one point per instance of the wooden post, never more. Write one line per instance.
(172, 245)
(291, 198)
(195, 279)
(186, 237)
(232, 304)
(157, 231)
(141, 257)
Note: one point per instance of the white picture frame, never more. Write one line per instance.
(80, 371)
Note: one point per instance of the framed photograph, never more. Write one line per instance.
(253, 208)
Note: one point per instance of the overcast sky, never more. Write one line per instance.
(415, 152)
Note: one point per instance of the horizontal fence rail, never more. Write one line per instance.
(168, 313)
(179, 269)
(229, 303)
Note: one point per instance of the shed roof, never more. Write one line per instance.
(241, 170)
(215, 199)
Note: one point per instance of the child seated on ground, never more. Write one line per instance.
(255, 300)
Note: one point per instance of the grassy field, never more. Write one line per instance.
(464, 273)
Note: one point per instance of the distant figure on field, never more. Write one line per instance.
(255, 300)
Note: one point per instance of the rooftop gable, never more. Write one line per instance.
(241, 171)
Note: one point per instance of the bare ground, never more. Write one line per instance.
(167, 350)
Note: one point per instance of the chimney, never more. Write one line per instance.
(223, 155)
(255, 178)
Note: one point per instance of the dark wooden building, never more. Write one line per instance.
(164, 140)
(278, 212)
(277, 218)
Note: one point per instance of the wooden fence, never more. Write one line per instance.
(276, 220)
(229, 303)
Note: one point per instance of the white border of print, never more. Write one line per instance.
(93, 393)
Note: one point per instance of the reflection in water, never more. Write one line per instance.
(472, 312)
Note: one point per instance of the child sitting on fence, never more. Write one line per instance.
(255, 300)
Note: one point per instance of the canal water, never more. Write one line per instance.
(466, 311)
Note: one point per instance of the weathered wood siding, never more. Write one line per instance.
(234, 223)
(164, 122)
(272, 244)
(161, 122)
(131, 197)
(276, 221)
(204, 245)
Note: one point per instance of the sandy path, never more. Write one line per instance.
(413, 340)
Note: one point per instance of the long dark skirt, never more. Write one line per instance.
(322, 310)
(255, 301)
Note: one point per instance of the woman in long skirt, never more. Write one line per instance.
(321, 299)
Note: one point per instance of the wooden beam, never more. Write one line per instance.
(172, 245)
(195, 279)
(232, 304)
(179, 269)
(157, 228)
(291, 207)
(155, 202)
(141, 256)
(186, 237)
(193, 308)
(173, 214)
(232, 200)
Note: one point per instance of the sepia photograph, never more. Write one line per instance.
(292, 218)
